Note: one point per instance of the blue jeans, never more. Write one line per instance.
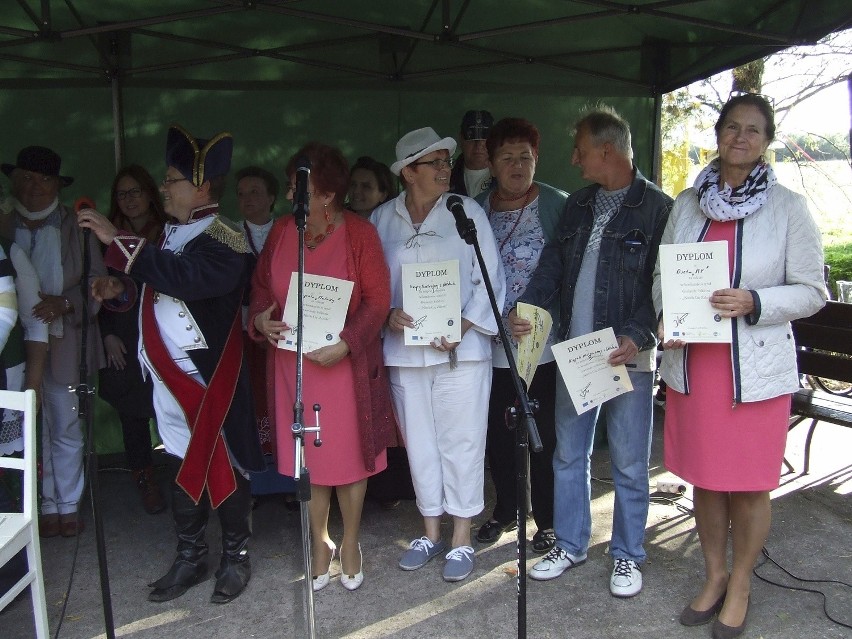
(629, 424)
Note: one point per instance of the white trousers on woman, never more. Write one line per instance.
(62, 448)
(443, 415)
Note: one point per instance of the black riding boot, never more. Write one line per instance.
(235, 568)
(190, 565)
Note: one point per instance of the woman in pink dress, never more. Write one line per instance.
(728, 404)
(347, 378)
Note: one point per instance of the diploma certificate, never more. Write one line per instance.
(532, 346)
(589, 378)
(689, 275)
(431, 294)
(326, 300)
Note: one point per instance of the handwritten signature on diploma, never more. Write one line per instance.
(680, 318)
(585, 390)
(320, 298)
(698, 270)
(586, 356)
(418, 323)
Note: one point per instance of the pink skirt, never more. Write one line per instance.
(715, 445)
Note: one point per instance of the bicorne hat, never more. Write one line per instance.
(197, 159)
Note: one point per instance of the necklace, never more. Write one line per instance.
(496, 195)
(312, 241)
(526, 197)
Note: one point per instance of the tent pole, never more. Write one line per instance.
(656, 143)
(117, 121)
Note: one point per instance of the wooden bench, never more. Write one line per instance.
(823, 350)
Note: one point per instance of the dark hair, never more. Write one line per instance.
(384, 177)
(329, 169)
(148, 186)
(269, 180)
(217, 187)
(605, 124)
(749, 99)
(512, 130)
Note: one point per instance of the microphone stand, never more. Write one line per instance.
(84, 394)
(301, 474)
(517, 415)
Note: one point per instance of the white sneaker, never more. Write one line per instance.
(626, 580)
(554, 563)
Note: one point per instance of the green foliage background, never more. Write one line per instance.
(839, 257)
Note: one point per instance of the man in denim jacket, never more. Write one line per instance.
(601, 266)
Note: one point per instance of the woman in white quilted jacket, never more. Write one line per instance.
(728, 405)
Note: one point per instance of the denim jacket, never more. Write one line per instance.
(628, 253)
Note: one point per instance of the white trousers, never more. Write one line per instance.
(62, 448)
(443, 415)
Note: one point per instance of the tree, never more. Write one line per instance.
(789, 76)
(749, 77)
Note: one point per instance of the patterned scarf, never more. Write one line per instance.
(723, 205)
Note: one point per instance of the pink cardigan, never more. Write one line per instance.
(368, 309)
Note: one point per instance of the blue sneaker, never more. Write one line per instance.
(419, 552)
(459, 563)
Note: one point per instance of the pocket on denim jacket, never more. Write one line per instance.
(634, 251)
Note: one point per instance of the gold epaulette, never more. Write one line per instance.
(233, 238)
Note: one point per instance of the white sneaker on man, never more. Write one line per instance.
(554, 563)
(626, 580)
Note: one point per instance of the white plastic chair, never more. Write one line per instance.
(20, 530)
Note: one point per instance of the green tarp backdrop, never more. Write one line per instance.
(100, 80)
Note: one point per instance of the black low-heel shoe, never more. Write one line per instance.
(692, 617)
(723, 631)
(490, 531)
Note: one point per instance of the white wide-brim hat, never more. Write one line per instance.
(415, 144)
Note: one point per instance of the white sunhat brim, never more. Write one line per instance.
(448, 144)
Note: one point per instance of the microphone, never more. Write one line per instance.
(83, 202)
(464, 225)
(301, 197)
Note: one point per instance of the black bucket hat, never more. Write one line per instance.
(38, 159)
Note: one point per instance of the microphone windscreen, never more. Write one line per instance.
(453, 201)
(83, 202)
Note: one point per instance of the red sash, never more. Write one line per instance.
(206, 462)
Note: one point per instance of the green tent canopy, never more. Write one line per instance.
(359, 73)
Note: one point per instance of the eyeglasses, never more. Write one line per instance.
(131, 193)
(170, 181)
(291, 189)
(739, 94)
(438, 164)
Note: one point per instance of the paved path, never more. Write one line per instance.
(811, 536)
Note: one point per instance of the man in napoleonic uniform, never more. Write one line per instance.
(191, 345)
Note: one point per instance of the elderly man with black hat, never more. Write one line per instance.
(48, 234)
(191, 345)
(471, 174)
